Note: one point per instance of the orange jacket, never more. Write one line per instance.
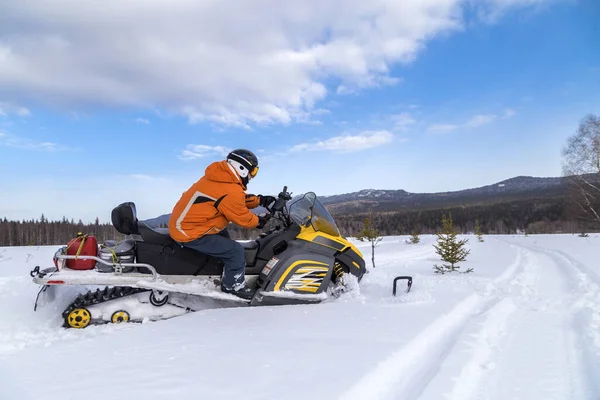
(211, 203)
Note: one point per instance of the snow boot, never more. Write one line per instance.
(245, 292)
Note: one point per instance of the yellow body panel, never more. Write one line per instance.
(307, 264)
(312, 269)
(310, 275)
(310, 235)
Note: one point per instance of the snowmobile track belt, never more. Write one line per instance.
(99, 296)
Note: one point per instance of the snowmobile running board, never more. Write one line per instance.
(408, 278)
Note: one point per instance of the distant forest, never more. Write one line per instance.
(530, 215)
(41, 232)
(520, 216)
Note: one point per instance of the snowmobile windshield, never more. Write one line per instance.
(306, 209)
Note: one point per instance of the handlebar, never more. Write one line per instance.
(279, 205)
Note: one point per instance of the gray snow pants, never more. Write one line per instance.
(231, 252)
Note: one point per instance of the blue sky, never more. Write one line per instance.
(430, 96)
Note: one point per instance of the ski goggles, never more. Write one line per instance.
(254, 171)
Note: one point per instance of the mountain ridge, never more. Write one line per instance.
(509, 189)
(533, 182)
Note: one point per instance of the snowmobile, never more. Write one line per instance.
(149, 276)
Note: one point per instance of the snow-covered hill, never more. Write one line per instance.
(512, 186)
(524, 325)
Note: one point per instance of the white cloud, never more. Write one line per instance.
(348, 143)
(479, 120)
(195, 151)
(7, 108)
(142, 121)
(492, 10)
(402, 121)
(342, 89)
(321, 111)
(442, 128)
(371, 82)
(473, 122)
(232, 63)
(10, 140)
(141, 177)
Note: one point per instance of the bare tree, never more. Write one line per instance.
(581, 168)
(370, 232)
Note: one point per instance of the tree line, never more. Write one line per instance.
(548, 216)
(42, 232)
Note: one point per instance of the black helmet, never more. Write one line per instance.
(245, 163)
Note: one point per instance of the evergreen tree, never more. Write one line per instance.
(414, 237)
(478, 231)
(449, 248)
(370, 234)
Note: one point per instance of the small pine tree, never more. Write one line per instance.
(370, 234)
(414, 237)
(449, 248)
(478, 231)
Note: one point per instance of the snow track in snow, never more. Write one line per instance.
(580, 304)
(526, 336)
(541, 333)
(532, 347)
(409, 370)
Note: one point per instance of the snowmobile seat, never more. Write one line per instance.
(250, 245)
(154, 235)
(124, 218)
(250, 251)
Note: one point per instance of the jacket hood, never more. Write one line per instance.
(219, 171)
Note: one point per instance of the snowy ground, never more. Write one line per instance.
(524, 325)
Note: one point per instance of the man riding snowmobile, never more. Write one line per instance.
(200, 217)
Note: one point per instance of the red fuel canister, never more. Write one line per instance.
(82, 245)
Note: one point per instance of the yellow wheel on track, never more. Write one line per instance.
(79, 318)
(120, 316)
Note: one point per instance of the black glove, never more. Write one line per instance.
(266, 200)
(262, 221)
